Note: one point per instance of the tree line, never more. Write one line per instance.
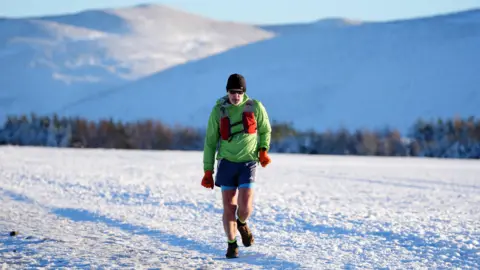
(446, 138)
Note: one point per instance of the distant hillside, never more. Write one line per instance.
(368, 75)
(295, 28)
(50, 61)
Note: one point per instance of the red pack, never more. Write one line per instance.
(248, 121)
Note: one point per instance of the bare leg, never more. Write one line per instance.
(245, 203)
(229, 210)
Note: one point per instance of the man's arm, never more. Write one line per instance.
(263, 126)
(211, 141)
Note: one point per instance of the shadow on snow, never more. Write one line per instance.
(78, 215)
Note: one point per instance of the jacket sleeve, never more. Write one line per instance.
(263, 126)
(211, 141)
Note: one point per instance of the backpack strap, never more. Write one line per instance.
(248, 106)
(223, 107)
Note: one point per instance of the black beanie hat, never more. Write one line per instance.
(236, 81)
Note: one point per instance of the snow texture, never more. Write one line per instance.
(85, 208)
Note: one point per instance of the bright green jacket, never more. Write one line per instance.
(243, 147)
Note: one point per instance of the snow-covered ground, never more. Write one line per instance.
(133, 209)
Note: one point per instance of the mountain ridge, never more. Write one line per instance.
(60, 57)
(335, 67)
(366, 76)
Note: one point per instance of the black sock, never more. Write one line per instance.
(240, 223)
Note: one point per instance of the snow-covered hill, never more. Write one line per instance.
(364, 75)
(295, 28)
(47, 62)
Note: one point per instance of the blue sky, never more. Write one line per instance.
(256, 11)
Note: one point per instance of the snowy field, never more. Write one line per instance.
(132, 209)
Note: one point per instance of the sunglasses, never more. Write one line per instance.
(240, 92)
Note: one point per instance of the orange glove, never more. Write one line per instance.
(264, 158)
(207, 180)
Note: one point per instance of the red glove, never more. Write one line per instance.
(264, 158)
(207, 180)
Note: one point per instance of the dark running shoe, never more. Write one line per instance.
(232, 251)
(247, 236)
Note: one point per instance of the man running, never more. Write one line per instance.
(241, 127)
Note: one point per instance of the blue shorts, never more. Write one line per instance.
(232, 175)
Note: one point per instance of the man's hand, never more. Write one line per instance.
(207, 180)
(264, 158)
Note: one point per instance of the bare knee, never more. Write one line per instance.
(229, 203)
(245, 203)
(229, 210)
